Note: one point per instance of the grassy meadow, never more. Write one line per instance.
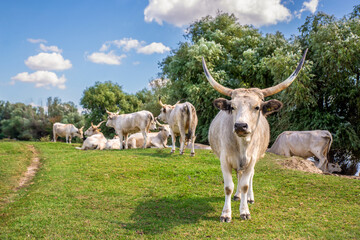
(150, 194)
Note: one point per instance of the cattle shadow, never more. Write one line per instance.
(160, 153)
(155, 216)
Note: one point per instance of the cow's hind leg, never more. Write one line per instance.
(145, 138)
(228, 189)
(323, 162)
(238, 190)
(192, 153)
(182, 139)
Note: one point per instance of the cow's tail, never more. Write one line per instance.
(190, 116)
(329, 146)
(151, 121)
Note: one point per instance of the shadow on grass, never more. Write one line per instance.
(160, 153)
(156, 216)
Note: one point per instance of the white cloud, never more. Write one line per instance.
(153, 48)
(106, 58)
(180, 13)
(50, 48)
(310, 6)
(41, 79)
(48, 61)
(32, 40)
(126, 44)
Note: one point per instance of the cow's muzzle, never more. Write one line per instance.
(241, 129)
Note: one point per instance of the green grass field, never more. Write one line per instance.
(150, 194)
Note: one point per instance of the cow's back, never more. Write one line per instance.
(300, 143)
(134, 122)
(180, 115)
(61, 129)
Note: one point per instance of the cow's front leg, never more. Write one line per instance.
(244, 186)
(173, 139)
(126, 135)
(121, 140)
(250, 195)
(228, 189)
(145, 138)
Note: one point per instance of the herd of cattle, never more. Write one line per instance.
(239, 135)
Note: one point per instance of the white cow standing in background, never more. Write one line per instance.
(68, 131)
(125, 124)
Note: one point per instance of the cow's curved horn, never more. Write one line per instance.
(161, 104)
(100, 123)
(107, 111)
(161, 125)
(92, 125)
(283, 85)
(177, 102)
(217, 86)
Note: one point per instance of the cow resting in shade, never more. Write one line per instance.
(68, 131)
(182, 120)
(305, 144)
(240, 133)
(125, 124)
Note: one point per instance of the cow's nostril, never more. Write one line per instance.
(241, 126)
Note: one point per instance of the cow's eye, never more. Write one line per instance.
(257, 108)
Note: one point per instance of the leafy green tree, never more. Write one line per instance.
(335, 74)
(237, 56)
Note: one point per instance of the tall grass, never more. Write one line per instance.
(150, 194)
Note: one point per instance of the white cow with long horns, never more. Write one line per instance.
(240, 133)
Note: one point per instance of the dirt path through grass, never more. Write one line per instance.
(31, 170)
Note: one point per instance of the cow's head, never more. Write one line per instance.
(93, 129)
(79, 133)
(164, 128)
(247, 105)
(111, 118)
(165, 111)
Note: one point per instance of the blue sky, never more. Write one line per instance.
(53, 48)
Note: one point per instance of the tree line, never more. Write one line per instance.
(326, 94)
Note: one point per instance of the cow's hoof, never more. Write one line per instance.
(245, 216)
(225, 219)
(251, 201)
(236, 198)
(181, 153)
(192, 154)
(172, 152)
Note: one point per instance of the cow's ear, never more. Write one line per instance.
(271, 106)
(164, 109)
(223, 104)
